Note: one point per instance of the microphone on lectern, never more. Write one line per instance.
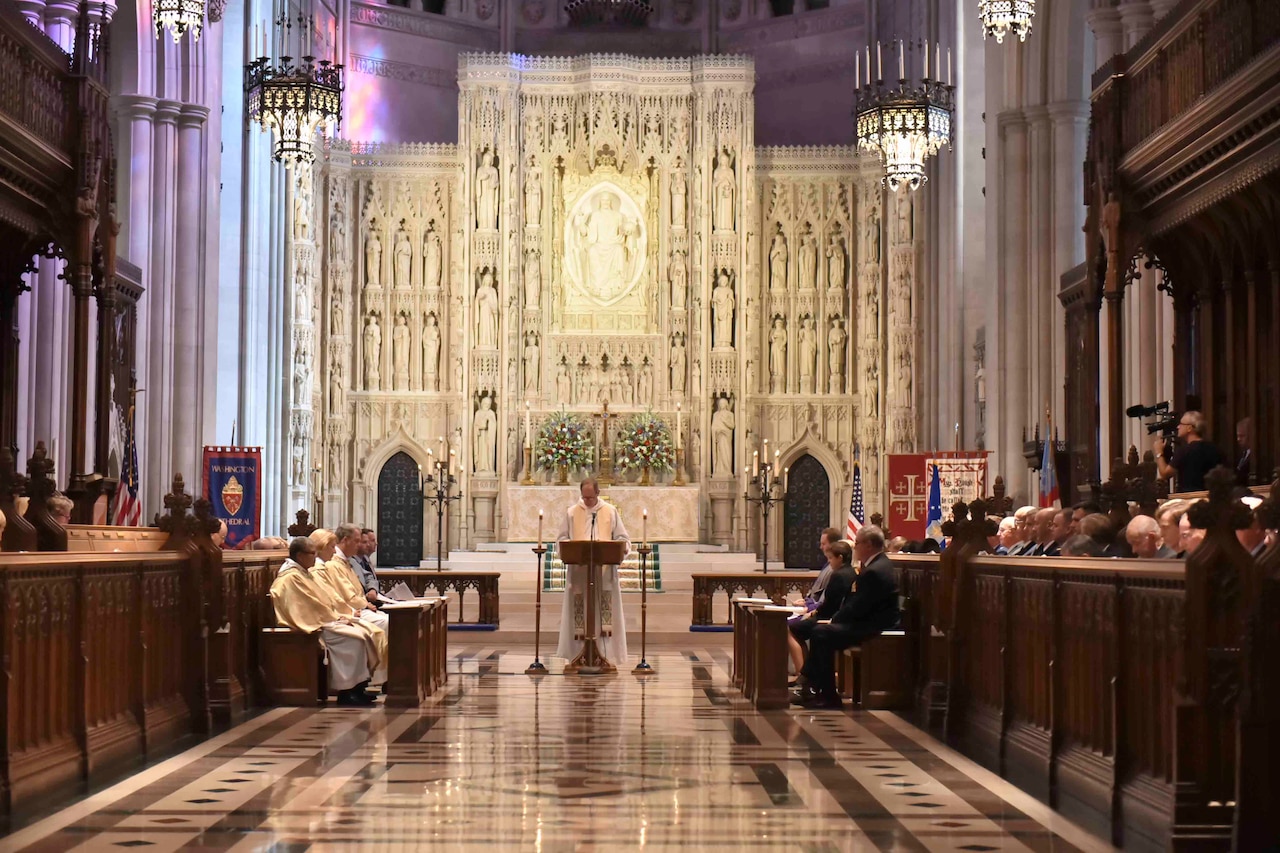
(593, 524)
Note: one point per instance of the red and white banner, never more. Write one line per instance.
(963, 476)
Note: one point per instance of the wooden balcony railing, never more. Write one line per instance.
(36, 91)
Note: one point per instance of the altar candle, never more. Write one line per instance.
(677, 426)
(926, 59)
(776, 462)
(948, 66)
(902, 60)
(755, 463)
(784, 478)
(879, 63)
(528, 436)
(539, 528)
(937, 58)
(451, 455)
(857, 75)
(644, 528)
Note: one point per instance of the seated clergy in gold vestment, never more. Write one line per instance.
(591, 518)
(351, 646)
(333, 572)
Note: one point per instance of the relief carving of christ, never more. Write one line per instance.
(609, 247)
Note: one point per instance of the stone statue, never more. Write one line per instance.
(904, 376)
(808, 261)
(723, 188)
(372, 352)
(373, 258)
(564, 385)
(835, 342)
(778, 261)
(679, 189)
(403, 254)
(432, 263)
(722, 305)
(904, 218)
(459, 374)
(487, 311)
(487, 193)
(533, 197)
(299, 461)
(871, 391)
(335, 463)
(400, 342)
(808, 355)
(644, 396)
(301, 376)
(778, 356)
(679, 279)
(532, 278)
(872, 235)
(484, 430)
(337, 325)
(302, 295)
(677, 364)
(608, 249)
(431, 354)
(302, 206)
(722, 425)
(337, 393)
(696, 374)
(835, 262)
(338, 232)
(532, 363)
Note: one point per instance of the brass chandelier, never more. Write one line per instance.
(1001, 17)
(179, 17)
(294, 99)
(905, 121)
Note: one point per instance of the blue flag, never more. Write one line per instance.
(933, 520)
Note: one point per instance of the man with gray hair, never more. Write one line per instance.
(869, 610)
(1024, 527)
(1146, 540)
(1193, 457)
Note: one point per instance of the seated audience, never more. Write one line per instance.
(1146, 539)
(1189, 537)
(1024, 517)
(1081, 546)
(1059, 532)
(1079, 512)
(1042, 525)
(869, 610)
(1168, 516)
(1006, 535)
(301, 604)
(60, 508)
(1244, 441)
(1254, 537)
(363, 566)
(810, 602)
(896, 544)
(220, 537)
(838, 587)
(1099, 528)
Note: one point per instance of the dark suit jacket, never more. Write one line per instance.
(1053, 549)
(838, 589)
(874, 600)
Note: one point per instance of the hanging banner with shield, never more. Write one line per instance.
(233, 484)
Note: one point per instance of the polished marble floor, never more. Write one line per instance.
(500, 760)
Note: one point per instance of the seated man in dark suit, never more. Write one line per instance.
(840, 560)
(869, 610)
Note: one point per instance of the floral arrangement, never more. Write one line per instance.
(563, 440)
(644, 441)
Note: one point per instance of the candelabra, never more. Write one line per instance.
(771, 489)
(435, 490)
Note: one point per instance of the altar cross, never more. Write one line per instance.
(605, 474)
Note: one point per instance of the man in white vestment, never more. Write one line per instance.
(303, 605)
(578, 524)
(343, 577)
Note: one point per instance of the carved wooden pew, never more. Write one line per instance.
(108, 539)
(760, 652)
(774, 586)
(877, 673)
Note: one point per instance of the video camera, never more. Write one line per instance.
(1165, 423)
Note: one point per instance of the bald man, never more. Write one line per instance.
(1147, 540)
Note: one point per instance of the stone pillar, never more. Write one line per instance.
(49, 352)
(187, 313)
(60, 23)
(1044, 325)
(1107, 33)
(158, 401)
(1013, 329)
(1070, 128)
(1136, 20)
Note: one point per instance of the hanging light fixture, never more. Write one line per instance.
(906, 121)
(1001, 17)
(293, 99)
(178, 16)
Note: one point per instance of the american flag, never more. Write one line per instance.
(128, 507)
(856, 510)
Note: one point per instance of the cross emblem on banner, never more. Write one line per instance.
(907, 493)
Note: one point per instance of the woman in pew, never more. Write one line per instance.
(843, 576)
(814, 597)
(303, 605)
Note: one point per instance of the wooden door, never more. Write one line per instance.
(807, 513)
(399, 513)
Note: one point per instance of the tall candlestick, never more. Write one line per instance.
(451, 456)
(644, 528)
(528, 435)
(678, 426)
(539, 528)
(755, 463)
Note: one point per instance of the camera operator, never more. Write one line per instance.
(1193, 457)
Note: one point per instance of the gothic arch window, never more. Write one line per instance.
(399, 513)
(807, 512)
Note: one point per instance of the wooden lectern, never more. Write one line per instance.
(595, 554)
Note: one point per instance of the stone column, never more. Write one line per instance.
(1043, 323)
(1107, 33)
(49, 351)
(1011, 320)
(188, 316)
(1070, 128)
(1136, 20)
(158, 402)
